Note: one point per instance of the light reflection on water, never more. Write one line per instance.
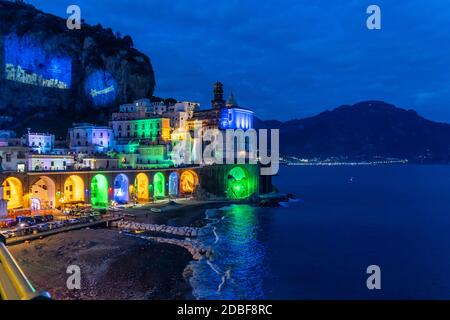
(237, 269)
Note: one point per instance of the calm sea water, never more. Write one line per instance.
(397, 217)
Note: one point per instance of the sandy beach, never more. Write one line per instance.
(114, 265)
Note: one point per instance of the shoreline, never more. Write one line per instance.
(114, 265)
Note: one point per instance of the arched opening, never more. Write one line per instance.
(142, 183)
(44, 190)
(173, 184)
(238, 184)
(99, 191)
(121, 188)
(13, 193)
(73, 190)
(188, 181)
(159, 184)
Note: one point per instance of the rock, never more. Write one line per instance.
(84, 52)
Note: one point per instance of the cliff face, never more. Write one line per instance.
(51, 76)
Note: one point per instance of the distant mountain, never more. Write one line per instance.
(364, 131)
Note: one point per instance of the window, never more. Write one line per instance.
(8, 157)
(78, 135)
(52, 163)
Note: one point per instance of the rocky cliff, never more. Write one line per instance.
(51, 76)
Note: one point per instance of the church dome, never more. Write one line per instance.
(231, 102)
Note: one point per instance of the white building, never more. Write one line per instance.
(98, 163)
(38, 162)
(90, 139)
(40, 142)
(13, 158)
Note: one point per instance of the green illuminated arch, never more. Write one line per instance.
(239, 184)
(159, 183)
(99, 191)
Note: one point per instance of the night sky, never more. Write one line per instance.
(288, 58)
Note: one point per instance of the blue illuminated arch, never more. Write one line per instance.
(121, 189)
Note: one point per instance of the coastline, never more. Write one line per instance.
(113, 264)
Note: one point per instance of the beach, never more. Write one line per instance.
(115, 265)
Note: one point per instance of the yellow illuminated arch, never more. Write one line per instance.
(142, 183)
(188, 181)
(73, 189)
(13, 192)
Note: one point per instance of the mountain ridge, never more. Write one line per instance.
(364, 130)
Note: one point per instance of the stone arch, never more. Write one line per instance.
(159, 185)
(74, 191)
(173, 184)
(121, 188)
(44, 189)
(99, 191)
(13, 192)
(238, 184)
(141, 187)
(188, 181)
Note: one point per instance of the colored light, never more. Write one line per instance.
(188, 181)
(99, 191)
(159, 185)
(101, 88)
(28, 62)
(73, 189)
(240, 185)
(142, 187)
(13, 192)
(173, 184)
(121, 188)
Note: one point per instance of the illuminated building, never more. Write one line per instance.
(38, 162)
(40, 142)
(98, 163)
(144, 131)
(235, 117)
(13, 158)
(87, 138)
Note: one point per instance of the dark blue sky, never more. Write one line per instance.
(288, 58)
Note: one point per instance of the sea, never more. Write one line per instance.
(321, 245)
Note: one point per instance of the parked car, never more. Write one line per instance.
(49, 217)
(39, 219)
(7, 223)
(23, 221)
